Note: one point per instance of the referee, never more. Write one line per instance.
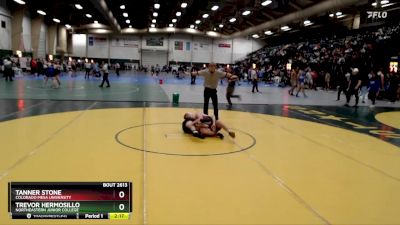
(211, 77)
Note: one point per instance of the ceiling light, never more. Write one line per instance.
(170, 29)
(78, 6)
(215, 29)
(255, 36)
(245, 13)
(171, 25)
(215, 7)
(128, 21)
(331, 15)
(191, 30)
(88, 16)
(153, 20)
(130, 26)
(155, 14)
(96, 24)
(307, 23)
(56, 20)
(125, 14)
(41, 12)
(102, 31)
(268, 32)
(153, 25)
(232, 20)
(341, 16)
(339, 13)
(122, 7)
(265, 3)
(178, 14)
(174, 20)
(386, 5)
(212, 33)
(183, 5)
(197, 21)
(285, 28)
(156, 6)
(205, 15)
(221, 25)
(67, 26)
(191, 26)
(20, 2)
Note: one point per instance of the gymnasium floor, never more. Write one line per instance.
(294, 160)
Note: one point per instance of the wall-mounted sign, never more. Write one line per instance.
(200, 46)
(97, 41)
(155, 41)
(224, 45)
(187, 46)
(125, 42)
(178, 45)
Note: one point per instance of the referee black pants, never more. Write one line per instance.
(105, 79)
(350, 93)
(210, 93)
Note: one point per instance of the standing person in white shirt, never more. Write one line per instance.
(254, 79)
(88, 67)
(117, 68)
(8, 72)
(104, 68)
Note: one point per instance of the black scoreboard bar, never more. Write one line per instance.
(70, 200)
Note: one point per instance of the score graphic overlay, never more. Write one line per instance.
(70, 200)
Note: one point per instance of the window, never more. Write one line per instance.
(3, 24)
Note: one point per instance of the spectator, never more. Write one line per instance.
(301, 79)
(354, 87)
(393, 86)
(8, 71)
(373, 87)
(117, 68)
(254, 79)
(104, 68)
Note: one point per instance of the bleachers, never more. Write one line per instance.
(365, 49)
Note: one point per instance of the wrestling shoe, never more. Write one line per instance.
(221, 136)
(198, 135)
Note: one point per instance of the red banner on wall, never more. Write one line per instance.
(224, 45)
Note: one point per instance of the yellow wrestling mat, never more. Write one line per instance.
(389, 118)
(277, 171)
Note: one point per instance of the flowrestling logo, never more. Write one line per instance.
(377, 14)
